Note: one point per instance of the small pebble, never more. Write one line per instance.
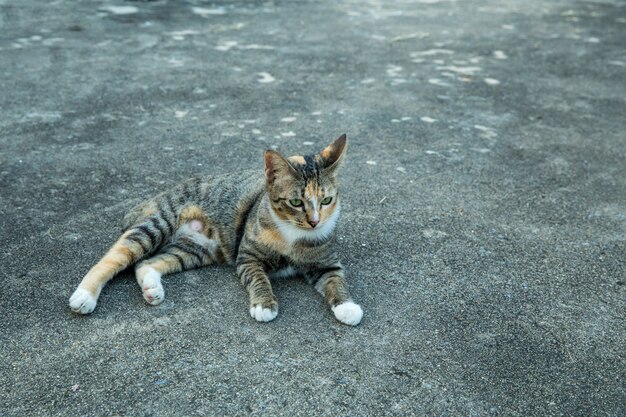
(492, 81)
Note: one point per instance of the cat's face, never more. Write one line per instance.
(303, 190)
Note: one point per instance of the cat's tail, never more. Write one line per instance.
(135, 244)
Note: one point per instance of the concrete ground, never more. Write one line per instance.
(484, 218)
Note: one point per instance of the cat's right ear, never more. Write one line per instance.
(333, 154)
(276, 165)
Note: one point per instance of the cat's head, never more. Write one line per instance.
(303, 190)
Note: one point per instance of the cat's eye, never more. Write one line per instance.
(296, 202)
(327, 201)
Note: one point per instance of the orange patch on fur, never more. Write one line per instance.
(163, 266)
(125, 251)
(297, 159)
(272, 238)
(311, 190)
(148, 211)
(195, 213)
(91, 285)
(120, 256)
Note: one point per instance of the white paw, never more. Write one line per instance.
(82, 301)
(348, 313)
(263, 314)
(153, 291)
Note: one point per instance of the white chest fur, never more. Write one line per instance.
(292, 233)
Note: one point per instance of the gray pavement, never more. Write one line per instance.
(484, 218)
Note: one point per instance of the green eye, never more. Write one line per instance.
(327, 201)
(296, 202)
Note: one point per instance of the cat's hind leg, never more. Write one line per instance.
(190, 248)
(136, 243)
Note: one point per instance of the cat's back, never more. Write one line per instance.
(227, 194)
(214, 191)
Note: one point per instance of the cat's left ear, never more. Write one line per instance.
(333, 154)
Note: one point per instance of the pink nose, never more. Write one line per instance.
(313, 223)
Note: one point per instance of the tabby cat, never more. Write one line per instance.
(277, 225)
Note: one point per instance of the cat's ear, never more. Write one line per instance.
(276, 165)
(333, 154)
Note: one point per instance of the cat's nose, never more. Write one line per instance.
(313, 223)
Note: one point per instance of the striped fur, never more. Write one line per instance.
(241, 219)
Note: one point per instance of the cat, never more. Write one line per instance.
(273, 225)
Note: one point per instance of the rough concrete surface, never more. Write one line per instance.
(483, 226)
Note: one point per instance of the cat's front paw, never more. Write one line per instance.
(153, 291)
(348, 313)
(82, 301)
(264, 314)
